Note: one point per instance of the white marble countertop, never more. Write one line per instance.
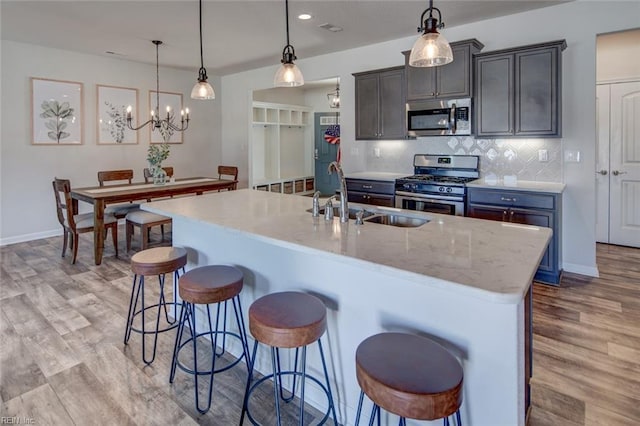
(519, 185)
(492, 260)
(384, 176)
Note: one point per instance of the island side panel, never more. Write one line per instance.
(364, 299)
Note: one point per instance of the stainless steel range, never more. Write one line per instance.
(439, 183)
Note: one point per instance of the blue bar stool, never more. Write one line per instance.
(207, 285)
(288, 320)
(156, 261)
(410, 376)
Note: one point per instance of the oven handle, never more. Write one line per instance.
(433, 198)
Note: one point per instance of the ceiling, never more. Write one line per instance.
(238, 35)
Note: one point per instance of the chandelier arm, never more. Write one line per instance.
(140, 126)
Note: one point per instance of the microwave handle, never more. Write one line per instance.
(452, 118)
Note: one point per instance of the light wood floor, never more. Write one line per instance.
(63, 361)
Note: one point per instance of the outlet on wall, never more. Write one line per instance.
(376, 152)
(543, 155)
(571, 156)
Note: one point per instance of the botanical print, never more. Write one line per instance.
(56, 110)
(112, 115)
(170, 108)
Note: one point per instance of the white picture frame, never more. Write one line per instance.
(111, 119)
(56, 112)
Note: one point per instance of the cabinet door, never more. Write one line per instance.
(392, 108)
(542, 219)
(480, 211)
(421, 81)
(367, 96)
(454, 79)
(494, 100)
(536, 102)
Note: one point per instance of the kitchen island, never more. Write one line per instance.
(462, 282)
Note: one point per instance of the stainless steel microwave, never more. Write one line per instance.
(439, 117)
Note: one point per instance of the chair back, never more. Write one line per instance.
(229, 172)
(64, 203)
(115, 175)
(148, 177)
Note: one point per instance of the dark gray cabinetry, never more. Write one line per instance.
(376, 192)
(518, 91)
(529, 208)
(453, 80)
(380, 109)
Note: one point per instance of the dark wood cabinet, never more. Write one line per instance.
(380, 104)
(453, 80)
(538, 209)
(379, 193)
(518, 91)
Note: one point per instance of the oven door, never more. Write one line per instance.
(430, 203)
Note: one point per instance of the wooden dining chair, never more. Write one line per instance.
(121, 177)
(74, 224)
(146, 220)
(228, 172)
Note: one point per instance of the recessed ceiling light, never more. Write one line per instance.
(304, 16)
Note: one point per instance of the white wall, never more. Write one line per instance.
(551, 23)
(28, 208)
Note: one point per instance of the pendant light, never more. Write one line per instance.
(202, 89)
(431, 49)
(334, 97)
(288, 75)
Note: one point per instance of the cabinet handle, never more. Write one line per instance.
(367, 186)
(433, 93)
(504, 215)
(508, 199)
(511, 216)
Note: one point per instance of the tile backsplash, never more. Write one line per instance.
(498, 157)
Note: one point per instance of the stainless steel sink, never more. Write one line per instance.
(352, 212)
(397, 220)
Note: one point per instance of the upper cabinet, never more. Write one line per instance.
(453, 80)
(380, 103)
(518, 91)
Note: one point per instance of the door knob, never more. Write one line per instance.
(602, 172)
(315, 154)
(616, 173)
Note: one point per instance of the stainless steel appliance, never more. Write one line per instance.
(439, 117)
(438, 185)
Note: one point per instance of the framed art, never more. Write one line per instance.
(111, 120)
(170, 106)
(56, 112)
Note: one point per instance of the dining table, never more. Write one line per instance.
(100, 196)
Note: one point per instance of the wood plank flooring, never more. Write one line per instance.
(62, 360)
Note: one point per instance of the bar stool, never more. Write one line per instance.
(156, 261)
(288, 320)
(410, 376)
(206, 285)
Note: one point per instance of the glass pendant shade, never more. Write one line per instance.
(430, 50)
(203, 90)
(288, 75)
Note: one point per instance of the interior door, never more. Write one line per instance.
(325, 152)
(602, 163)
(624, 180)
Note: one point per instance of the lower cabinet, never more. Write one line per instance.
(379, 193)
(529, 208)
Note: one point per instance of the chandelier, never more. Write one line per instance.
(431, 49)
(334, 97)
(155, 120)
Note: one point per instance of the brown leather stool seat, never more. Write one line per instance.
(207, 285)
(410, 376)
(288, 320)
(156, 261)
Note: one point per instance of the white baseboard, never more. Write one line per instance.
(590, 271)
(30, 237)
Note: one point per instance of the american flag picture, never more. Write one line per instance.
(332, 134)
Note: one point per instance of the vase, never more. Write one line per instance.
(159, 175)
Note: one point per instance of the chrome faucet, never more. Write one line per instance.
(344, 205)
(315, 206)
